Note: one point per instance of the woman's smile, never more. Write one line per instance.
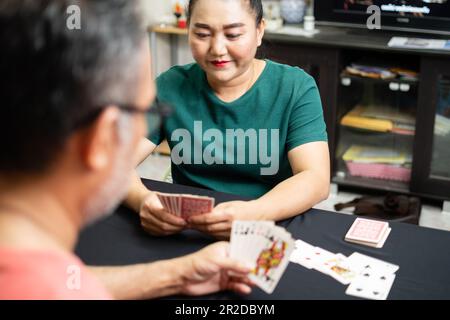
(220, 64)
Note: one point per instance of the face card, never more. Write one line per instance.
(273, 259)
(319, 258)
(340, 269)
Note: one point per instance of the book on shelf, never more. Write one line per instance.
(380, 118)
(372, 71)
(441, 126)
(356, 120)
(378, 163)
(369, 154)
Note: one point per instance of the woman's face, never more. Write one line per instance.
(223, 37)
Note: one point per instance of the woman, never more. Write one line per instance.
(240, 125)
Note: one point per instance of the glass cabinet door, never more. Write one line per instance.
(440, 160)
(376, 130)
(431, 167)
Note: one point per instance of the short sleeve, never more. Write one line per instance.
(306, 121)
(157, 136)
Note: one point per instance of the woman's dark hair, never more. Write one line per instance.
(255, 6)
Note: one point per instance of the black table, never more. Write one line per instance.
(423, 254)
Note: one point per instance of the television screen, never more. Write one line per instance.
(415, 8)
(409, 15)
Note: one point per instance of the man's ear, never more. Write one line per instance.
(260, 31)
(100, 140)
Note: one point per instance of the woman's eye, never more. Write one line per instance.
(233, 36)
(202, 35)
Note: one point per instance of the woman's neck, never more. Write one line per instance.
(236, 88)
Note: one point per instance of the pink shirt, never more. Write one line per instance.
(46, 275)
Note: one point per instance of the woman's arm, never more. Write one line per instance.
(145, 148)
(138, 192)
(154, 218)
(308, 186)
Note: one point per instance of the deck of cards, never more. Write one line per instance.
(186, 205)
(367, 277)
(264, 246)
(367, 232)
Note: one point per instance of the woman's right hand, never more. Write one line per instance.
(156, 221)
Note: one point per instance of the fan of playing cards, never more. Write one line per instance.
(264, 246)
(185, 205)
(368, 277)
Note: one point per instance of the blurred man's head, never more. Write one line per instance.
(67, 96)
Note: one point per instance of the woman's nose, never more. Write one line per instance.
(218, 47)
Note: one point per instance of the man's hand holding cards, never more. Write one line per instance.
(265, 247)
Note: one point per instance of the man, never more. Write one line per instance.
(72, 111)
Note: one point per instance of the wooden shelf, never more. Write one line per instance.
(374, 184)
(411, 82)
(168, 30)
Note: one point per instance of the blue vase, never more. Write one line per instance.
(293, 11)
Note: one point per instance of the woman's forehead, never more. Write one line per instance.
(220, 13)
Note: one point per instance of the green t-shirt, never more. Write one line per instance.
(239, 147)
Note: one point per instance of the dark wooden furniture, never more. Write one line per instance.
(326, 54)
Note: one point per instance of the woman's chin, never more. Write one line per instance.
(222, 76)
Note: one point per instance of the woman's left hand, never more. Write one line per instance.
(218, 223)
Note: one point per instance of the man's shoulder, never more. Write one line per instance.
(45, 275)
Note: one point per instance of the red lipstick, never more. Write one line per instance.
(220, 63)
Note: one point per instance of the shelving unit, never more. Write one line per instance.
(326, 55)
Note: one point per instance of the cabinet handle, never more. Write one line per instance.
(394, 86)
(404, 87)
(346, 82)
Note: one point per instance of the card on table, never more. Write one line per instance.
(368, 232)
(303, 254)
(340, 269)
(372, 284)
(319, 259)
(364, 263)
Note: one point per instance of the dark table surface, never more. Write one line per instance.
(423, 254)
